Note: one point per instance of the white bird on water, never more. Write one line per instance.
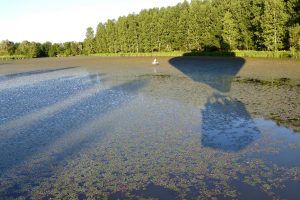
(155, 62)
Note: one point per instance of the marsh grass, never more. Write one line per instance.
(268, 54)
(13, 57)
(154, 54)
(155, 76)
(236, 53)
(247, 54)
(295, 122)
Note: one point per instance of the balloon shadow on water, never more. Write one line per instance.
(226, 124)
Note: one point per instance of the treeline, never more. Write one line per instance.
(202, 25)
(33, 49)
(195, 26)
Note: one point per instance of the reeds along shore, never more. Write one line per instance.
(249, 54)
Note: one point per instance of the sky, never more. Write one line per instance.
(63, 20)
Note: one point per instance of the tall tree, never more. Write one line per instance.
(29, 49)
(100, 39)
(274, 21)
(45, 47)
(230, 32)
(182, 34)
(7, 47)
(111, 38)
(89, 44)
(295, 37)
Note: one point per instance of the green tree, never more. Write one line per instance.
(182, 35)
(53, 51)
(230, 32)
(111, 36)
(133, 33)
(241, 11)
(293, 11)
(45, 49)
(100, 39)
(7, 47)
(274, 21)
(29, 49)
(89, 43)
(294, 33)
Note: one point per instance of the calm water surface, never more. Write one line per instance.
(82, 132)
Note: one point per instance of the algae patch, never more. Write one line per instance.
(273, 82)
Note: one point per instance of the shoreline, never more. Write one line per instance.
(230, 54)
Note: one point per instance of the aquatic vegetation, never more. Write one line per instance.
(155, 76)
(257, 97)
(274, 82)
(145, 136)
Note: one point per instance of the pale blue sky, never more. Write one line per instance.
(63, 20)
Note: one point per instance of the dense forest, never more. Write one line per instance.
(197, 25)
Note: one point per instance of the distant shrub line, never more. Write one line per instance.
(237, 53)
(173, 53)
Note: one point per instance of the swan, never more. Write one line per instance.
(155, 62)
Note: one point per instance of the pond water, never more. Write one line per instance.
(119, 128)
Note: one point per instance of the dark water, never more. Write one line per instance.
(77, 133)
